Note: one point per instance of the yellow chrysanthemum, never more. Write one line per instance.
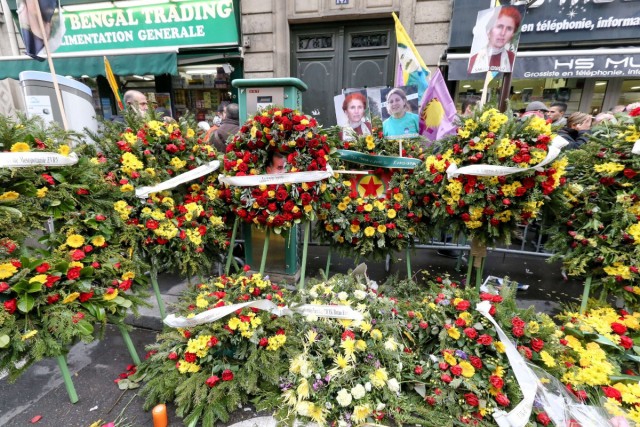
(20, 147)
(7, 270)
(71, 297)
(110, 295)
(64, 150)
(75, 241)
(9, 196)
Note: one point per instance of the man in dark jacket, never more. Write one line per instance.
(229, 126)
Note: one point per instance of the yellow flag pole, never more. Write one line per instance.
(54, 78)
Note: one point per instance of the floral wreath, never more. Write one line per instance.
(296, 137)
(487, 208)
(367, 215)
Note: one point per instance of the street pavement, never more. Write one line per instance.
(41, 392)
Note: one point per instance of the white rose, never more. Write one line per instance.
(393, 385)
(367, 386)
(358, 391)
(360, 294)
(380, 406)
(344, 398)
(343, 296)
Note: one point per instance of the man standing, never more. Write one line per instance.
(228, 126)
(556, 114)
(137, 101)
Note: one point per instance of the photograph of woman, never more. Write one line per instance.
(355, 120)
(401, 121)
(494, 44)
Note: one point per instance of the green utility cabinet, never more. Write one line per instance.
(253, 95)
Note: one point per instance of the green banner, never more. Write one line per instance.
(378, 161)
(183, 24)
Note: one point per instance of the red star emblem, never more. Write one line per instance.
(372, 188)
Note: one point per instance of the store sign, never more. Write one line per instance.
(561, 67)
(557, 21)
(183, 24)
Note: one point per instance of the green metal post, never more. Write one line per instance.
(585, 295)
(66, 376)
(305, 247)
(231, 245)
(326, 270)
(409, 275)
(469, 269)
(156, 289)
(265, 250)
(127, 340)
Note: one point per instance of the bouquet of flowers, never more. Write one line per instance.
(597, 221)
(180, 227)
(209, 369)
(485, 181)
(295, 136)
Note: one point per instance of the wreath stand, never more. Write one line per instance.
(477, 260)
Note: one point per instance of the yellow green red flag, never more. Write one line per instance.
(412, 69)
(113, 83)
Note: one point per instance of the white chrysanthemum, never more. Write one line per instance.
(359, 295)
(393, 385)
(358, 391)
(343, 296)
(344, 398)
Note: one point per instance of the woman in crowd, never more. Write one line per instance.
(576, 132)
(401, 121)
(354, 107)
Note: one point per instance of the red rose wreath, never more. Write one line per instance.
(296, 137)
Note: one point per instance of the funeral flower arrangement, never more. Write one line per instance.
(597, 221)
(297, 137)
(487, 206)
(180, 227)
(209, 369)
(460, 364)
(350, 371)
(373, 214)
(80, 275)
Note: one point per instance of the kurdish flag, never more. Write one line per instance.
(112, 83)
(412, 70)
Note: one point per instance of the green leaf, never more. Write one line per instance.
(85, 327)
(4, 341)
(614, 378)
(633, 357)
(122, 302)
(55, 203)
(26, 303)
(11, 211)
(84, 285)
(87, 271)
(606, 341)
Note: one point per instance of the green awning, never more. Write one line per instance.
(92, 66)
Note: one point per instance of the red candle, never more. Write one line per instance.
(159, 413)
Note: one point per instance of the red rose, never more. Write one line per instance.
(517, 331)
(471, 399)
(48, 179)
(626, 342)
(484, 339)
(629, 173)
(85, 296)
(43, 268)
(618, 328)
(212, 342)
(212, 381)
(496, 381)
(152, 224)
(475, 361)
(100, 217)
(77, 255)
(52, 299)
(463, 305)
(52, 279)
(461, 322)
(74, 273)
(543, 418)
(263, 342)
(418, 370)
(446, 378)
(430, 400)
(173, 356)
(526, 351)
(471, 333)
(502, 399)
(517, 322)
(456, 370)
(423, 325)
(537, 344)
(635, 112)
(190, 357)
(612, 393)
(4, 286)
(227, 375)
(11, 305)
(443, 366)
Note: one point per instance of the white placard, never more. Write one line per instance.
(276, 178)
(196, 173)
(36, 158)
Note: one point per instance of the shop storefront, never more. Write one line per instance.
(585, 54)
(183, 55)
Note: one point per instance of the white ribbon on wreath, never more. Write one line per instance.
(36, 158)
(209, 316)
(196, 173)
(636, 147)
(491, 170)
(276, 178)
